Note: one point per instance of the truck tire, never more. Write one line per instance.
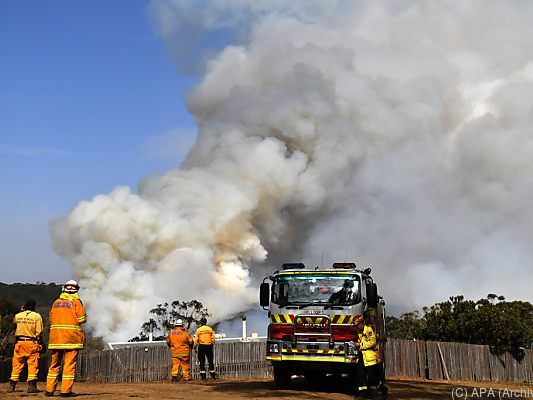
(313, 376)
(282, 376)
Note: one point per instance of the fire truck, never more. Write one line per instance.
(315, 318)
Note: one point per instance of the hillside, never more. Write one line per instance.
(43, 293)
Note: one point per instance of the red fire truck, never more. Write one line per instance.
(315, 316)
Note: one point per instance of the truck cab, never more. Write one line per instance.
(316, 317)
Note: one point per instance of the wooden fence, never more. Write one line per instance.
(404, 358)
(152, 363)
(455, 361)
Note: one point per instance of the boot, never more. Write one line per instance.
(48, 394)
(384, 391)
(213, 374)
(203, 375)
(32, 387)
(12, 385)
(174, 379)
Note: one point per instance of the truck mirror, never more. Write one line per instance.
(372, 294)
(264, 294)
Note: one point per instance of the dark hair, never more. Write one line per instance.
(29, 305)
(203, 321)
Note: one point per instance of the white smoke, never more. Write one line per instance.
(397, 134)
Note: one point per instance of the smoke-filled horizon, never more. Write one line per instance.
(394, 135)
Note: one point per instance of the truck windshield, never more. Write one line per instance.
(340, 290)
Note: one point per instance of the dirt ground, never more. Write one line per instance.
(264, 389)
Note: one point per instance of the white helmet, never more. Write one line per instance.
(179, 322)
(71, 286)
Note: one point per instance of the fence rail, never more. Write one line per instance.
(405, 358)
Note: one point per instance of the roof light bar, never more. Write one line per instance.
(293, 266)
(344, 265)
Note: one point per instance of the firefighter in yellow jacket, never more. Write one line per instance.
(204, 340)
(369, 370)
(66, 338)
(180, 343)
(29, 328)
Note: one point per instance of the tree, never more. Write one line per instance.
(165, 315)
(508, 326)
(408, 326)
(451, 321)
(504, 326)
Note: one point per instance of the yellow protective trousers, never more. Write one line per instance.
(184, 363)
(26, 352)
(69, 358)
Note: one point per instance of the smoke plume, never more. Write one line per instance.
(396, 134)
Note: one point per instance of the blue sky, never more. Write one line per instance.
(87, 94)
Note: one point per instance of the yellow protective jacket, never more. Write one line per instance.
(29, 325)
(66, 316)
(368, 346)
(180, 342)
(204, 335)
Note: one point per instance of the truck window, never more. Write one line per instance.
(343, 290)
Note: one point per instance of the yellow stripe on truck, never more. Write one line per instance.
(281, 318)
(335, 319)
(309, 358)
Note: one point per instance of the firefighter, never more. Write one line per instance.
(204, 340)
(344, 295)
(29, 328)
(180, 343)
(66, 338)
(369, 370)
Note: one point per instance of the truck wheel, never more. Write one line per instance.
(313, 376)
(282, 376)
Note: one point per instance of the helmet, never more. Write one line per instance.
(179, 322)
(29, 305)
(71, 286)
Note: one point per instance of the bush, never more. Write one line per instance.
(505, 326)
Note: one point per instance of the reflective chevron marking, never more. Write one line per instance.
(310, 351)
(338, 319)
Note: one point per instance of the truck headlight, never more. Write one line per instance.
(273, 347)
